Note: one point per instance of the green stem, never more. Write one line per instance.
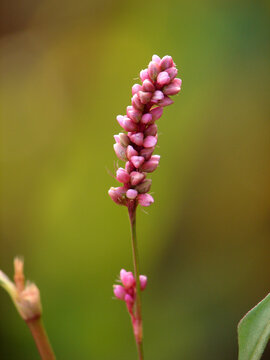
(138, 328)
(41, 339)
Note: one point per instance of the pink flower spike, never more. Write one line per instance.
(136, 177)
(156, 113)
(163, 78)
(166, 62)
(146, 153)
(144, 97)
(149, 142)
(148, 86)
(153, 70)
(156, 59)
(144, 75)
(143, 281)
(136, 88)
(165, 102)
(151, 130)
(127, 278)
(137, 138)
(132, 194)
(152, 164)
(145, 199)
(172, 72)
(157, 96)
(122, 175)
(120, 151)
(134, 114)
(131, 152)
(173, 88)
(137, 161)
(119, 292)
(117, 195)
(146, 118)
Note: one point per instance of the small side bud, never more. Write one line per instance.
(144, 75)
(136, 88)
(156, 113)
(137, 161)
(143, 281)
(153, 70)
(166, 62)
(117, 195)
(163, 79)
(137, 138)
(124, 139)
(119, 292)
(165, 102)
(173, 88)
(122, 175)
(127, 278)
(157, 96)
(144, 187)
(131, 152)
(120, 151)
(150, 141)
(136, 177)
(151, 130)
(131, 194)
(148, 86)
(146, 118)
(145, 199)
(152, 164)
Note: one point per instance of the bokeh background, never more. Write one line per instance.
(67, 68)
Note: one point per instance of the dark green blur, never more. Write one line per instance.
(67, 68)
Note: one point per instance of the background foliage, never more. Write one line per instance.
(66, 71)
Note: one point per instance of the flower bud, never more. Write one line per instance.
(124, 139)
(144, 97)
(126, 123)
(156, 59)
(134, 114)
(119, 292)
(144, 187)
(146, 118)
(157, 96)
(146, 153)
(166, 62)
(137, 161)
(136, 103)
(118, 195)
(148, 86)
(151, 130)
(144, 75)
(120, 151)
(150, 141)
(137, 138)
(131, 152)
(172, 72)
(131, 194)
(173, 88)
(136, 177)
(136, 88)
(153, 70)
(156, 113)
(127, 278)
(145, 199)
(165, 102)
(122, 175)
(129, 167)
(143, 282)
(129, 301)
(163, 79)
(152, 164)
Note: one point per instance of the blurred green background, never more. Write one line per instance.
(67, 68)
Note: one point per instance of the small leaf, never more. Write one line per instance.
(254, 331)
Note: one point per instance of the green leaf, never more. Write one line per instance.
(254, 331)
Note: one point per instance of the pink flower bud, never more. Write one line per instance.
(156, 113)
(131, 152)
(137, 161)
(127, 278)
(136, 103)
(136, 177)
(144, 187)
(132, 194)
(143, 281)
(117, 195)
(134, 114)
(129, 301)
(148, 86)
(151, 130)
(119, 292)
(172, 72)
(137, 138)
(150, 141)
(152, 164)
(117, 139)
(144, 75)
(153, 70)
(144, 97)
(157, 96)
(165, 102)
(120, 151)
(129, 167)
(124, 139)
(136, 88)
(146, 153)
(163, 78)
(146, 118)
(145, 199)
(166, 62)
(156, 59)
(173, 88)
(126, 123)
(122, 175)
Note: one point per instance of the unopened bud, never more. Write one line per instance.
(165, 102)
(163, 78)
(144, 75)
(124, 139)
(143, 281)
(127, 278)
(122, 175)
(134, 114)
(173, 88)
(137, 161)
(136, 177)
(150, 141)
(153, 70)
(146, 118)
(136, 88)
(137, 138)
(144, 97)
(157, 96)
(118, 195)
(148, 86)
(131, 194)
(120, 151)
(145, 199)
(131, 152)
(152, 164)
(119, 292)
(156, 113)
(166, 62)
(144, 187)
(151, 130)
